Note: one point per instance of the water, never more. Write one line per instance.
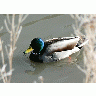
(45, 26)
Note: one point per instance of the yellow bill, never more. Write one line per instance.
(28, 50)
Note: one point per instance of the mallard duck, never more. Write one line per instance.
(54, 49)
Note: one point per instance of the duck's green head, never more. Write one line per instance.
(36, 46)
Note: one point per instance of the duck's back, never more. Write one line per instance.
(60, 44)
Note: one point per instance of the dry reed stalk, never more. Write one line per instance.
(14, 32)
(88, 24)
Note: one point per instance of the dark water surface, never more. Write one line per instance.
(45, 26)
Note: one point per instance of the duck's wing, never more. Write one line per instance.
(60, 44)
(61, 55)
